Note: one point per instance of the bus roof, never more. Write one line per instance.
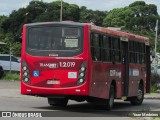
(119, 33)
(58, 23)
(98, 29)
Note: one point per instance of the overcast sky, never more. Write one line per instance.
(6, 6)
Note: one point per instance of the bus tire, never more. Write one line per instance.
(58, 102)
(140, 96)
(110, 101)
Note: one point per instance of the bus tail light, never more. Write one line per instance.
(82, 74)
(25, 72)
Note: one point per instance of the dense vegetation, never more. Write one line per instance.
(138, 17)
(10, 76)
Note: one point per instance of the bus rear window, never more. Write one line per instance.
(71, 32)
(63, 41)
(54, 38)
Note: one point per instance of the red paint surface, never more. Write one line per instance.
(98, 79)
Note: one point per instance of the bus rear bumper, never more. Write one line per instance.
(41, 91)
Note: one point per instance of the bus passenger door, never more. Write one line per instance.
(125, 67)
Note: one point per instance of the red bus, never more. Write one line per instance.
(81, 61)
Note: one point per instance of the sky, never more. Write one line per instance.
(7, 6)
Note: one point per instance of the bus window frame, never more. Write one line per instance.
(137, 52)
(66, 53)
(111, 49)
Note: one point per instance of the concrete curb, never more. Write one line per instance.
(152, 96)
(158, 98)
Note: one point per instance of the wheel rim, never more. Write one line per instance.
(140, 94)
(111, 101)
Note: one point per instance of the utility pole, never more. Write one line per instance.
(61, 11)
(155, 60)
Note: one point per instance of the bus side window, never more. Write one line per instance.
(106, 49)
(137, 52)
(131, 52)
(95, 47)
(116, 57)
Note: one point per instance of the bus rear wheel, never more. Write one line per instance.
(140, 96)
(58, 102)
(110, 101)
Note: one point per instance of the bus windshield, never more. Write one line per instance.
(59, 39)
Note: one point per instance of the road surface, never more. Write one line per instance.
(12, 100)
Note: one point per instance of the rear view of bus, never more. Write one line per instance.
(54, 61)
(81, 61)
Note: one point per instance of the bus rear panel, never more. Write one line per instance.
(54, 60)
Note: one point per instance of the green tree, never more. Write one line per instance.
(34, 9)
(137, 3)
(3, 19)
(116, 17)
(70, 12)
(7, 39)
(15, 46)
(138, 16)
(88, 15)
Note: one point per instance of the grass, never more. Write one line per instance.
(153, 88)
(11, 76)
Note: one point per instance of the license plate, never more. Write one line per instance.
(54, 82)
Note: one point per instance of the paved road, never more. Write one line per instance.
(11, 100)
